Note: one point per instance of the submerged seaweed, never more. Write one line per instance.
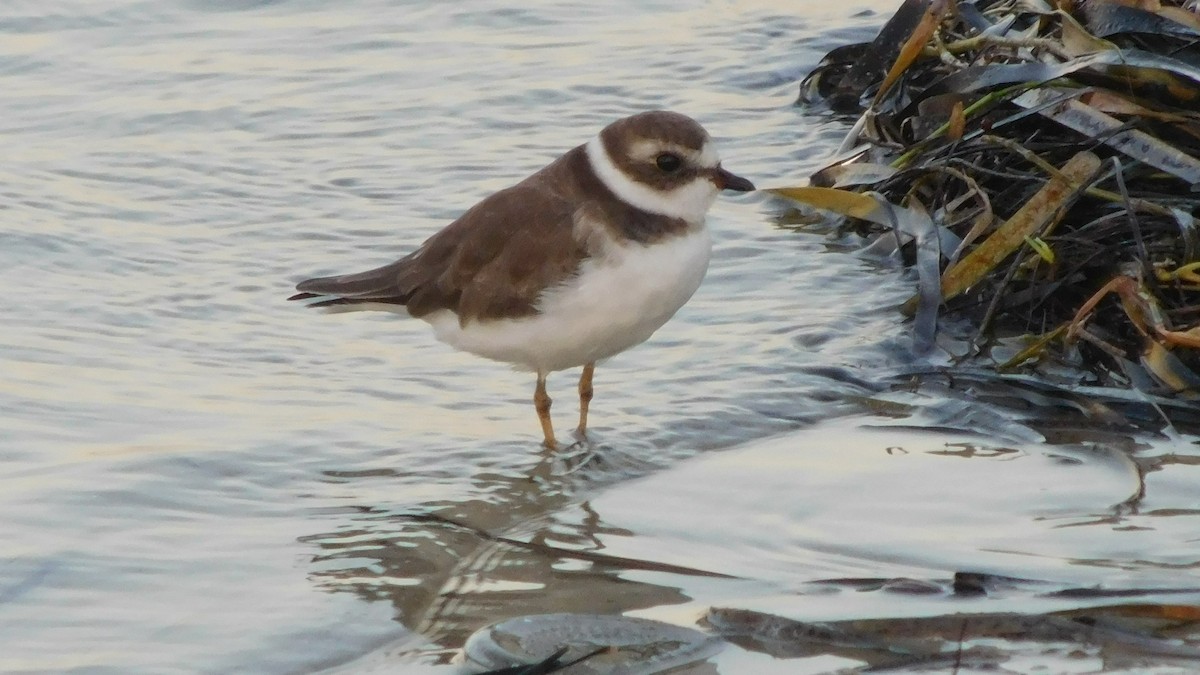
(1036, 160)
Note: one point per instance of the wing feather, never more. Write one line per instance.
(494, 261)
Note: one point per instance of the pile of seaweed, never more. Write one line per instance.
(1036, 161)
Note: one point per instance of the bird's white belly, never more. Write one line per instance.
(612, 304)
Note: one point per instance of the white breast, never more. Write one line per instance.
(613, 303)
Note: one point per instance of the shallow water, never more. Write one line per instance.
(201, 477)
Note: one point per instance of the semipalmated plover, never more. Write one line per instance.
(578, 262)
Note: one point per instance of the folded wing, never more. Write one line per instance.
(492, 262)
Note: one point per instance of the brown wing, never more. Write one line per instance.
(492, 262)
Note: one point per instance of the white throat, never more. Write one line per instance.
(688, 202)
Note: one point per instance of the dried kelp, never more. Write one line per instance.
(1038, 161)
(1148, 636)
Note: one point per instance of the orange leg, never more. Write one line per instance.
(585, 396)
(541, 402)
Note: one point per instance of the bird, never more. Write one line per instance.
(582, 260)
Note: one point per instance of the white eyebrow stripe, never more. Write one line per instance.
(706, 158)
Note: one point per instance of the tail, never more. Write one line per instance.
(380, 286)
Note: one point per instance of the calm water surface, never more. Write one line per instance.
(200, 477)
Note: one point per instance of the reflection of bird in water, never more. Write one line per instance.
(447, 578)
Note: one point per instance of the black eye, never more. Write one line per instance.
(668, 162)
